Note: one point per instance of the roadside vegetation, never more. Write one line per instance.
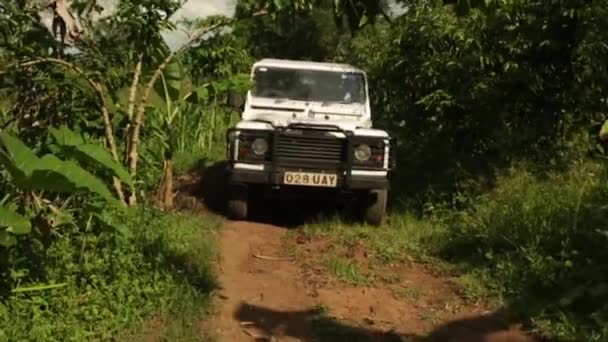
(94, 123)
(531, 245)
(501, 177)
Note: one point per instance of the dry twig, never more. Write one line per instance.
(263, 257)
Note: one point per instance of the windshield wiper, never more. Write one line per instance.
(327, 103)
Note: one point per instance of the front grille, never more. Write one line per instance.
(309, 148)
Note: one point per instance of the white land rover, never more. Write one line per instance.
(306, 128)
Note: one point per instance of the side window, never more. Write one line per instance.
(355, 86)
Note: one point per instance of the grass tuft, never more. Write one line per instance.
(345, 270)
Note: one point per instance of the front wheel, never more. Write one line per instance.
(238, 205)
(375, 207)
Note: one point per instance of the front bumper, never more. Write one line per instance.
(258, 174)
(349, 175)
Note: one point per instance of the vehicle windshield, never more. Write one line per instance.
(309, 85)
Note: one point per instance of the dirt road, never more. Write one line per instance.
(266, 296)
(259, 287)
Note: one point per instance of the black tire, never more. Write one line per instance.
(238, 205)
(237, 209)
(375, 208)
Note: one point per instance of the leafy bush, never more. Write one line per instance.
(102, 284)
(55, 176)
(541, 245)
(89, 268)
(469, 92)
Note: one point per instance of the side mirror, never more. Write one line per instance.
(236, 99)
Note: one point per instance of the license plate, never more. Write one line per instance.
(310, 179)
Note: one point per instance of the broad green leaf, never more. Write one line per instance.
(110, 223)
(49, 172)
(13, 222)
(364, 21)
(66, 137)
(6, 239)
(22, 158)
(73, 145)
(57, 175)
(18, 176)
(98, 156)
(221, 86)
(169, 85)
(202, 93)
(604, 131)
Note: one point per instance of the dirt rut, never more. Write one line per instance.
(257, 283)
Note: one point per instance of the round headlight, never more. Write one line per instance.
(259, 146)
(363, 152)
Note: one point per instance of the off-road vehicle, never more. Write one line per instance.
(306, 129)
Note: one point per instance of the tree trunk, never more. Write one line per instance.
(64, 20)
(133, 139)
(166, 186)
(131, 103)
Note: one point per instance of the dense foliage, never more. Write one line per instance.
(76, 122)
(475, 94)
(540, 245)
(473, 90)
(509, 82)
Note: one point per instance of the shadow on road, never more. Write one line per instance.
(207, 187)
(312, 324)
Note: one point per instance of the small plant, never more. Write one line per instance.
(12, 224)
(345, 271)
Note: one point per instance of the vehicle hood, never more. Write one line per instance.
(286, 112)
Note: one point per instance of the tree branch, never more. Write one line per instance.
(386, 16)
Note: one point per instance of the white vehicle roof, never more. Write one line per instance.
(307, 65)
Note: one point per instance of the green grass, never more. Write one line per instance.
(115, 286)
(409, 293)
(191, 239)
(539, 245)
(358, 254)
(534, 245)
(345, 270)
(401, 238)
(478, 287)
